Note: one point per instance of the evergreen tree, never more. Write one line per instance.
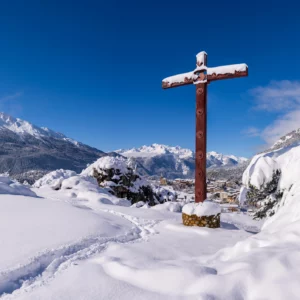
(268, 196)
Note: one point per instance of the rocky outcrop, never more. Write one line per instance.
(115, 174)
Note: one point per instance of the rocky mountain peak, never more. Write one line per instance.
(27, 149)
(292, 138)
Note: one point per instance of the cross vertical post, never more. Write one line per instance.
(201, 77)
(200, 153)
(201, 128)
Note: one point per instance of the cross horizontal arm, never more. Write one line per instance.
(178, 80)
(212, 74)
(227, 72)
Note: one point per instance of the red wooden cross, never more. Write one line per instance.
(202, 76)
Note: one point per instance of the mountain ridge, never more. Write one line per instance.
(28, 149)
(286, 140)
(27, 152)
(175, 162)
(159, 149)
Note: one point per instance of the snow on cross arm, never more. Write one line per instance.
(180, 79)
(229, 69)
(211, 74)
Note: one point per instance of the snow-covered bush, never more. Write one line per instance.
(54, 179)
(86, 187)
(13, 187)
(80, 187)
(116, 174)
(164, 194)
(30, 176)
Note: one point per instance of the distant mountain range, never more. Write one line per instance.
(174, 162)
(28, 151)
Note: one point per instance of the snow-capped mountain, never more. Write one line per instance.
(25, 147)
(155, 150)
(173, 162)
(287, 140)
(215, 159)
(23, 128)
(28, 151)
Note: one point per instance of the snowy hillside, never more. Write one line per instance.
(81, 242)
(173, 162)
(28, 151)
(272, 179)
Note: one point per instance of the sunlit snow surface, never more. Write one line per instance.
(72, 244)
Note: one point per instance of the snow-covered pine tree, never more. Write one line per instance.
(267, 196)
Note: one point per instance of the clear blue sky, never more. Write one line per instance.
(93, 69)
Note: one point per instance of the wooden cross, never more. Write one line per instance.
(201, 77)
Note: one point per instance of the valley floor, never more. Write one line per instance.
(57, 247)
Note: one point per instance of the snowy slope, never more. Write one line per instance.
(95, 250)
(173, 162)
(33, 225)
(41, 262)
(287, 161)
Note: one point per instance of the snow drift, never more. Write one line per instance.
(54, 179)
(111, 180)
(12, 187)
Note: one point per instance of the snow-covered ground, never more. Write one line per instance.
(94, 250)
(80, 242)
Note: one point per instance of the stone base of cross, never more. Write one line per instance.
(202, 213)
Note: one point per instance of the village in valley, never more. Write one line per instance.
(224, 192)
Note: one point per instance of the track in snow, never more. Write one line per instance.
(45, 266)
(145, 226)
